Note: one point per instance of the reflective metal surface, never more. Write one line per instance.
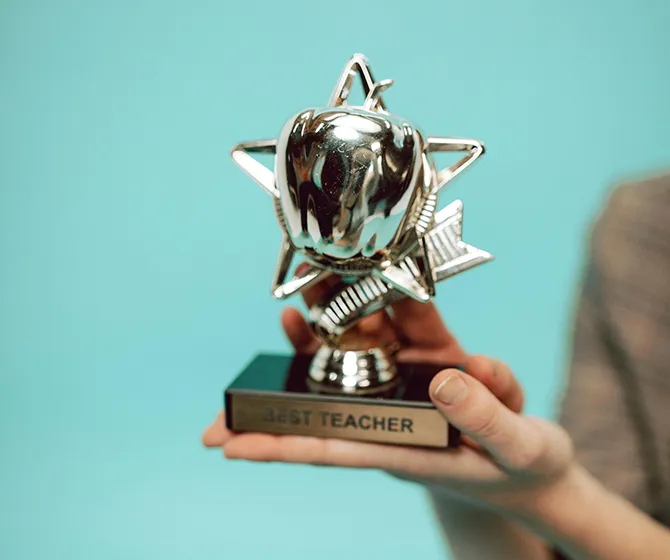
(347, 179)
(344, 307)
(355, 190)
(352, 371)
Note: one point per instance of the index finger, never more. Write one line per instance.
(498, 378)
(422, 326)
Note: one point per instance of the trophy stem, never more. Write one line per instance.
(353, 371)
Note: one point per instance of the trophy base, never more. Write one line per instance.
(275, 395)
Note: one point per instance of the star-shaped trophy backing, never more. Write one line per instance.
(374, 218)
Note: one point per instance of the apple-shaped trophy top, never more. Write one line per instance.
(347, 178)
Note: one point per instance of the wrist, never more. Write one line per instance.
(560, 502)
(562, 513)
(584, 519)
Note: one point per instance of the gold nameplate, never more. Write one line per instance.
(399, 425)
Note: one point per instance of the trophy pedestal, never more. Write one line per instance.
(274, 395)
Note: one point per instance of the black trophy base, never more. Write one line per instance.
(273, 395)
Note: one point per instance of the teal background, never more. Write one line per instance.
(131, 290)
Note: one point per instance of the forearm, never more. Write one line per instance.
(473, 532)
(576, 515)
(586, 521)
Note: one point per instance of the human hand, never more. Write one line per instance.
(505, 459)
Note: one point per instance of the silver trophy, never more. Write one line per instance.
(355, 190)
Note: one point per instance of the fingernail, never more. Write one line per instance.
(452, 390)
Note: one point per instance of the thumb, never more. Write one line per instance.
(515, 442)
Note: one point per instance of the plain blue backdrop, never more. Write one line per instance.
(131, 290)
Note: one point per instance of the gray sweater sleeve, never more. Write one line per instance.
(617, 398)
